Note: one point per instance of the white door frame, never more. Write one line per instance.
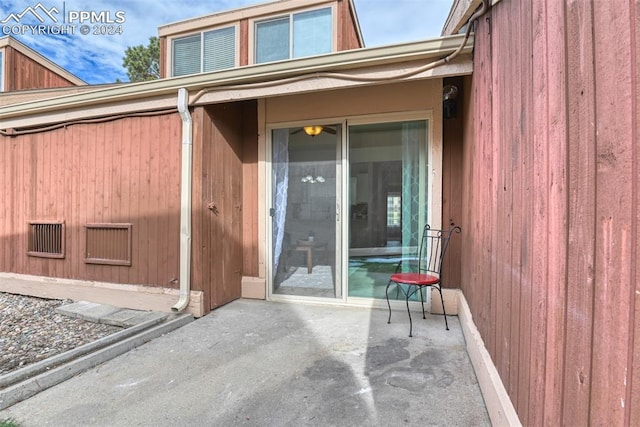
(433, 171)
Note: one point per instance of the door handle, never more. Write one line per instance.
(337, 212)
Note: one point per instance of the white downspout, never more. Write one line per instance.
(185, 201)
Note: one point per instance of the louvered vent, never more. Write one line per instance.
(108, 244)
(46, 239)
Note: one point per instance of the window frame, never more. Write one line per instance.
(236, 48)
(253, 22)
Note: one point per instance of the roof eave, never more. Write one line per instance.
(345, 60)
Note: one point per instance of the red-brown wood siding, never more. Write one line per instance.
(217, 238)
(347, 33)
(244, 42)
(250, 258)
(122, 171)
(550, 208)
(452, 137)
(163, 57)
(23, 72)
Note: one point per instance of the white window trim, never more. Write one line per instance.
(253, 21)
(169, 46)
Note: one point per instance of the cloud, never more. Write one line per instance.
(98, 58)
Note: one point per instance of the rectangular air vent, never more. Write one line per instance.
(46, 239)
(108, 244)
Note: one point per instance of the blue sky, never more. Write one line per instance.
(98, 58)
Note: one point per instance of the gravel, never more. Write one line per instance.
(31, 330)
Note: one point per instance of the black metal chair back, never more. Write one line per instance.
(433, 248)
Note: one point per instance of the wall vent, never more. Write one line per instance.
(46, 239)
(108, 244)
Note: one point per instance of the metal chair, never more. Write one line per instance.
(427, 273)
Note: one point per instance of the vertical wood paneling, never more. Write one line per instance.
(499, 225)
(539, 217)
(156, 222)
(5, 212)
(135, 190)
(95, 173)
(513, 145)
(633, 394)
(558, 212)
(164, 221)
(580, 264)
(614, 239)
(244, 42)
(523, 234)
(25, 73)
(217, 199)
(72, 141)
(199, 228)
(559, 185)
(227, 196)
(250, 191)
(163, 57)
(452, 137)
(89, 148)
(347, 38)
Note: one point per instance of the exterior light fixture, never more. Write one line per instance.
(449, 103)
(312, 130)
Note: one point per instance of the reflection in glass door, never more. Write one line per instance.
(305, 212)
(387, 201)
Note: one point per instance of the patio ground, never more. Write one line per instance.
(273, 364)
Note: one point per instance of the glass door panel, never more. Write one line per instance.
(305, 206)
(387, 201)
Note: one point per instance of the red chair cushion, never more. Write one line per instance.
(418, 279)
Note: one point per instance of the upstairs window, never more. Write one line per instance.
(294, 36)
(203, 52)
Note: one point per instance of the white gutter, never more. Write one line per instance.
(185, 201)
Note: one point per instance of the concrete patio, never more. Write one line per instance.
(274, 364)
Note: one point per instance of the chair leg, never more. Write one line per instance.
(444, 312)
(409, 313)
(388, 303)
(422, 301)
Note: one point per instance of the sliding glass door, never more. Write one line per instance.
(387, 200)
(305, 215)
(380, 169)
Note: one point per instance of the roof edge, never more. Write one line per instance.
(343, 60)
(459, 14)
(354, 15)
